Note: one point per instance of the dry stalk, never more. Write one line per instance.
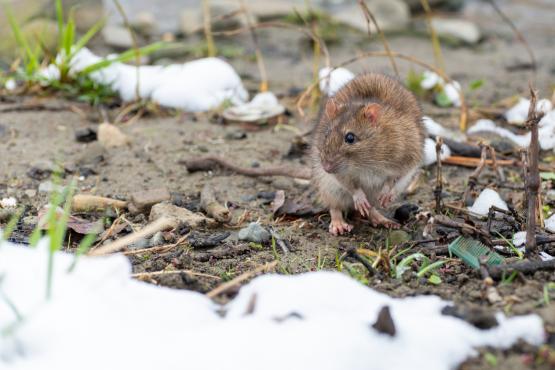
(146, 275)
(439, 177)
(498, 170)
(160, 224)
(533, 178)
(433, 35)
(370, 18)
(159, 249)
(518, 34)
(208, 28)
(257, 52)
(135, 47)
(463, 108)
(239, 279)
(473, 178)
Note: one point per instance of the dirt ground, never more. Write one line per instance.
(29, 138)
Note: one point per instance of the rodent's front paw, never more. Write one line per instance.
(361, 203)
(339, 227)
(386, 198)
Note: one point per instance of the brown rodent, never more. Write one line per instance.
(367, 146)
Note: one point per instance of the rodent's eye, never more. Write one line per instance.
(350, 138)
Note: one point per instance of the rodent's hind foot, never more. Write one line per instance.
(361, 203)
(338, 226)
(377, 219)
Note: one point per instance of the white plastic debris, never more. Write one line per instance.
(487, 199)
(199, 85)
(546, 256)
(549, 223)
(100, 303)
(430, 155)
(337, 79)
(263, 106)
(519, 112)
(437, 129)
(452, 90)
(10, 84)
(10, 202)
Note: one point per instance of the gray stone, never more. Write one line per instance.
(145, 23)
(139, 244)
(457, 29)
(397, 237)
(87, 14)
(31, 193)
(92, 155)
(254, 233)
(117, 37)
(192, 18)
(179, 215)
(157, 239)
(30, 221)
(391, 15)
(48, 187)
(144, 200)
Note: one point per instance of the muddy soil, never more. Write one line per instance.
(28, 138)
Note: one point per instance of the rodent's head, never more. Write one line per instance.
(351, 136)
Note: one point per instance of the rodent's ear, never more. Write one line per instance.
(331, 108)
(371, 112)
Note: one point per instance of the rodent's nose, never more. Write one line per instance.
(328, 166)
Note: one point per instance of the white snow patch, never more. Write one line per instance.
(430, 155)
(437, 129)
(519, 239)
(519, 112)
(10, 84)
(263, 105)
(337, 79)
(451, 89)
(99, 315)
(199, 85)
(549, 223)
(10, 202)
(546, 256)
(487, 199)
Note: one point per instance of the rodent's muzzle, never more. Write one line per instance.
(330, 166)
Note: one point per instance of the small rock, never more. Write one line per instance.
(192, 18)
(236, 135)
(48, 187)
(179, 215)
(145, 23)
(384, 323)
(30, 221)
(144, 200)
(92, 155)
(87, 14)
(117, 37)
(6, 214)
(43, 169)
(156, 240)
(390, 15)
(85, 135)
(254, 233)
(405, 212)
(397, 237)
(457, 29)
(2, 130)
(111, 136)
(198, 240)
(31, 193)
(10, 202)
(139, 244)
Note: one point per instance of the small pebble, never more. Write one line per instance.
(139, 244)
(254, 233)
(157, 239)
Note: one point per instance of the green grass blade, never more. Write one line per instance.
(10, 227)
(60, 19)
(123, 57)
(84, 40)
(430, 267)
(403, 265)
(32, 59)
(69, 35)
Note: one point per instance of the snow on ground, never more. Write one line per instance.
(487, 199)
(101, 318)
(199, 85)
(337, 78)
(437, 129)
(518, 113)
(430, 155)
(431, 80)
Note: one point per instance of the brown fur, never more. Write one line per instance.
(387, 121)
